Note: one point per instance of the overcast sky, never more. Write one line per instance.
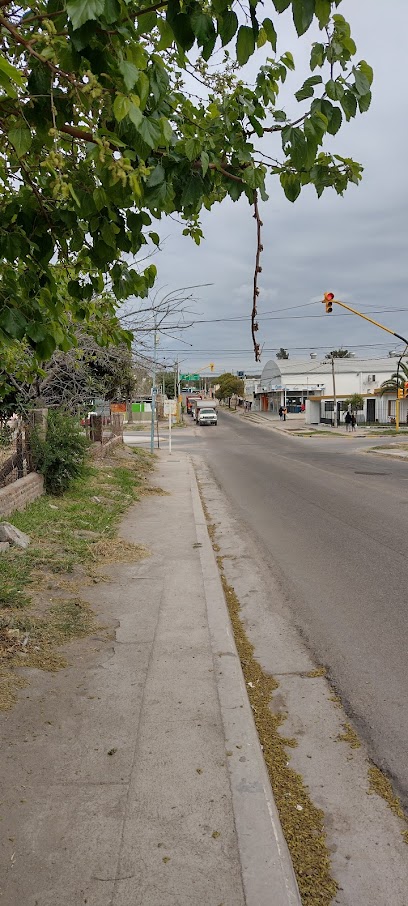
(355, 245)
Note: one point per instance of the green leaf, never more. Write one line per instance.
(135, 114)
(167, 131)
(334, 90)
(150, 132)
(10, 72)
(130, 74)
(349, 104)
(166, 35)
(361, 82)
(146, 23)
(316, 56)
(268, 26)
(303, 12)
(121, 107)
(335, 121)
(364, 102)
(281, 5)
(307, 89)
(192, 148)
(155, 238)
(143, 87)
(13, 322)
(322, 11)
(205, 160)
(366, 69)
(192, 191)
(182, 29)
(111, 11)
(227, 27)
(156, 177)
(245, 44)
(291, 186)
(20, 137)
(81, 11)
(262, 38)
(202, 26)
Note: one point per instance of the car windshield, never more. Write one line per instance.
(207, 411)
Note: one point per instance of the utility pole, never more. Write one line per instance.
(334, 393)
(153, 387)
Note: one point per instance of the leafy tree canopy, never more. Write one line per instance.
(229, 385)
(338, 354)
(100, 135)
(396, 382)
(353, 402)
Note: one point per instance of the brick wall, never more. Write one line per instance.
(16, 496)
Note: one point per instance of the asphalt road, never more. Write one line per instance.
(332, 524)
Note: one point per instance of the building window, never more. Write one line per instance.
(329, 406)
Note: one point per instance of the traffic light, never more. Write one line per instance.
(328, 301)
(406, 390)
(211, 366)
(400, 393)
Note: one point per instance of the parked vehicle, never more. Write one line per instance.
(190, 400)
(206, 416)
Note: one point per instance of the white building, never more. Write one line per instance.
(308, 384)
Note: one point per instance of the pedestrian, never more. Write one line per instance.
(347, 419)
(285, 412)
(353, 422)
(280, 412)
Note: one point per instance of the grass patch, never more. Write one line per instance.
(349, 736)
(302, 822)
(70, 535)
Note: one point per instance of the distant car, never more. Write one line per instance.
(206, 416)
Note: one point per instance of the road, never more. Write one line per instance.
(331, 522)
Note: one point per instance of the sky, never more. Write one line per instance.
(355, 245)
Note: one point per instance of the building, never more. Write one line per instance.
(308, 384)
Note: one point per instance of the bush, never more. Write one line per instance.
(60, 456)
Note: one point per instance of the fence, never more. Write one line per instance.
(15, 453)
(104, 428)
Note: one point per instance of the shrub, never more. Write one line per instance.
(60, 455)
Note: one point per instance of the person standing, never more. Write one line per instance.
(353, 422)
(347, 419)
(280, 412)
(285, 412)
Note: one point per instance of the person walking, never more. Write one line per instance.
(353, 422)
(347, 420)
(285, 412)
(280, 412)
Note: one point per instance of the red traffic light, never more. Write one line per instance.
(405, 389)
(328, 302)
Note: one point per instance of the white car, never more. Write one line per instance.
(206, 416)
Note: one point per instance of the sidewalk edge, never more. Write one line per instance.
(266, 865)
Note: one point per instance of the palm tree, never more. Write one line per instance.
(391, 385)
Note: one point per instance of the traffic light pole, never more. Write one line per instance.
(329, 300)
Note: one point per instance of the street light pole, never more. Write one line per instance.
(329, 301)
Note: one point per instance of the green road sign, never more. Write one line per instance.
(189, 377)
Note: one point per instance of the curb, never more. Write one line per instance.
(267, 870)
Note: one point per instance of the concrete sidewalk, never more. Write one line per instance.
(135, 777)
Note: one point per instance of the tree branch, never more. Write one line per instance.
(258, 269)
(27, 44)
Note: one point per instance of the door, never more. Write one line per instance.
(371, 411)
